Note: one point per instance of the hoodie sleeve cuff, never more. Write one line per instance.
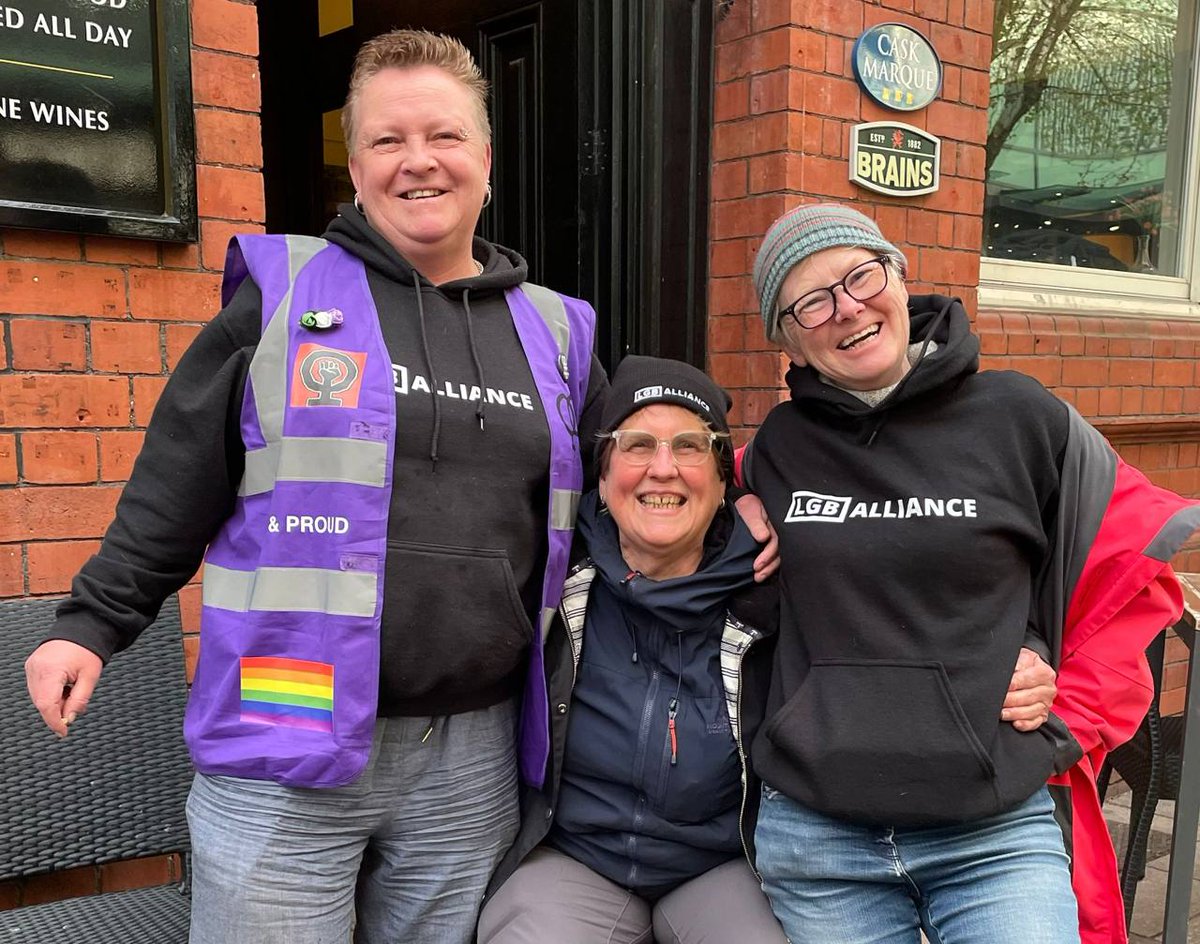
(87, 631)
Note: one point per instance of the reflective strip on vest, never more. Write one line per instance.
(315, 459)
(268, 369)
(554, 314)
(564, 503)
(547, 620)
(291, 589)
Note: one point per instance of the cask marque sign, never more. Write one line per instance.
(96, 128)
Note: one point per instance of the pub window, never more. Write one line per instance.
(1088, 161)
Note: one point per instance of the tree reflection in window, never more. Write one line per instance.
(1085, 152)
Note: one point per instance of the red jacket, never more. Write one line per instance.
(1116, 533)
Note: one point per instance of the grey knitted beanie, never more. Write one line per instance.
(801, 232)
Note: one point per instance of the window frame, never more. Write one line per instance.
(1046, 287)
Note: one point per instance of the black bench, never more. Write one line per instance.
(114, 789)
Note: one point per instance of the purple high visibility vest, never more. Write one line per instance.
(286, 686)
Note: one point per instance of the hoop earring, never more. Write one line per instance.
(358, 203)
(487, 194)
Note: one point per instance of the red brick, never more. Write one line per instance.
(3, 346)
(832, 136)
(921, 229)
(768, 14)
(224, 25)
(49, 288)
(12, 582)
(729, 257)
(40, 401)
(178, 296)
(726, 334)
(955, 122)
(833, 16)
(1110, 401)
(118, 450)
(56, 511)
(48, 344)
(126, 347)
(52, 564)
(8, 459)
(731, 100)
(190, 605)
(930, 10)
(1131, 401)
(1047, 370)
(733, 21)
(191, 655)
(774, 92)
(729, 180)
(747, 217)
(978, 17)
(228, 137)
(181, 255)
(729, 370)
(975, 88)
(146, 391)
(960, 46)
(1094, 346)
(1174, 373)
(1128, 372)
(214, 240)
(41, 244)
(225, 81)
(179, 338)
(783, 170)
(58, 458)
(731, 296)
(835, 97)
(139, 873)
(229, 194)
(1152, 400)
(121, 251)
(967, 232)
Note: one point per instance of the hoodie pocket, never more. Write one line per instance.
(453, 619)
(883, 741)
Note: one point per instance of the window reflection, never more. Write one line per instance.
(1086, 132)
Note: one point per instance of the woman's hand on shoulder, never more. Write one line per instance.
(750, 507)
(1030, 693)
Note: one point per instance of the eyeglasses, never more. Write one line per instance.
(637, 447)
(861, 283)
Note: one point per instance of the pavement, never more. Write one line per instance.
(1150, 901)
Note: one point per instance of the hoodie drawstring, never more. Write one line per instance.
(437, 407)
(475, 358)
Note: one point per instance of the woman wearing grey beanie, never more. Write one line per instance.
(936, 524)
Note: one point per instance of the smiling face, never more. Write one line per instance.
(864, 346)
(662, 510)
(420, 164)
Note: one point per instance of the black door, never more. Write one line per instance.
(600, 115)
(527, 53)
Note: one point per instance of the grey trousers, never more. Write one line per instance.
(403, 854)
(552, 899)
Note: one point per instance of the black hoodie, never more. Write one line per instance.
(467, 525)
(913, 534)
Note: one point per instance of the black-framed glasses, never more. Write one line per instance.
(638, 447)
(862, 283)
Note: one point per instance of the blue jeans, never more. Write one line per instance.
(1003, 880)
(402, 854)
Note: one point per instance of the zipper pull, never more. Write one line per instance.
(672, 710)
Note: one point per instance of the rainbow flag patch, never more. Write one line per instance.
(292, 692)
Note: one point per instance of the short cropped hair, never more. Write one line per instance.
(405, 49)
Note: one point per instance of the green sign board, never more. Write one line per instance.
(894, 158)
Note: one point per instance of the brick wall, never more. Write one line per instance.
(785, 99)
(784, 102)
(89, 329)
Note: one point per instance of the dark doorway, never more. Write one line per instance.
(600, 115)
